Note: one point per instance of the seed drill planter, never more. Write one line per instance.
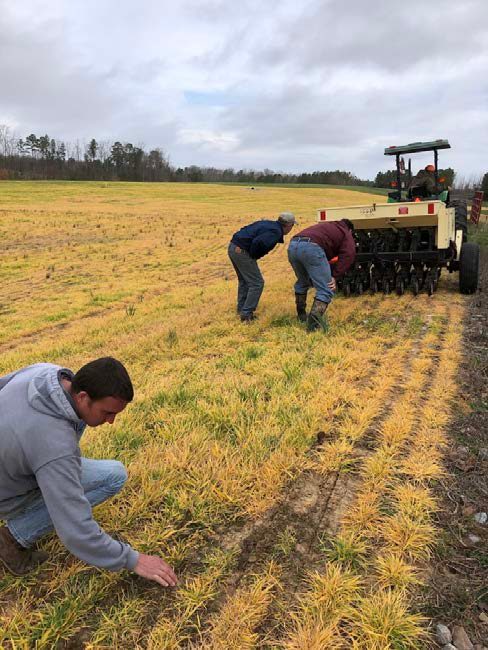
(406, 242)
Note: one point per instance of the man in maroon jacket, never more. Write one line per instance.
(309, 254)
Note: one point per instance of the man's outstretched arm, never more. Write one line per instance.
(71, 514)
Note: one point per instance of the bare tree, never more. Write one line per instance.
(104, 148)
(8, 140)
(78, 149)
(464, 183)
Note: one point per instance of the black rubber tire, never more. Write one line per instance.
(469, 267)
(461, 216)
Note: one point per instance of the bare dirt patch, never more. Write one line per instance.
(291, 533)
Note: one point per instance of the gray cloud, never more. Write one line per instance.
(389, 35)
(43, 87)
(285, 85)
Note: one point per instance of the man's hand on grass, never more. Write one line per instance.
(154, 568)
(332, 284)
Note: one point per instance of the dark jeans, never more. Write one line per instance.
(251, 282)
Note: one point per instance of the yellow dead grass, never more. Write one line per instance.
(388, 534)
(224, 416)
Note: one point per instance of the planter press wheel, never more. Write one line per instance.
(400, 286)
(414, 282)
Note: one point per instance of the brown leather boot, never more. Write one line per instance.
(301, 303)
(316, 318)
(17, 559)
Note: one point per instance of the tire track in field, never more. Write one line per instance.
(344, 489)
(376, 441)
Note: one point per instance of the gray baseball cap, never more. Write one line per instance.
(287, 217)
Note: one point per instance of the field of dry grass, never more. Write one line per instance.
(287, 476)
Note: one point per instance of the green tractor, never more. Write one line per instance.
(406, 242)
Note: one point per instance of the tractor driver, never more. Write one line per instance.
(423, 184)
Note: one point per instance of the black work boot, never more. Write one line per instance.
(316, 318)
(247, 318)
(301, 303)
(17, 559)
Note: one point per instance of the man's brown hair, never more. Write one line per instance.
(104, 377)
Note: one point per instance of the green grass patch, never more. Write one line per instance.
(478, 234)
(283, 321)
(438, 324)
(348, 551)
(54, 318)
(415, 325)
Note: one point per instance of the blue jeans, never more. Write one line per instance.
(251, 282)
(101, 479)
(311, 267)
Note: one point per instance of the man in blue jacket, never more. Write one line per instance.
(247, 246)
(45, 483)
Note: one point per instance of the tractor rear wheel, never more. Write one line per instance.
(461, 216)
(469, 267)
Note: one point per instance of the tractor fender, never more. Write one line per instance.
(459, 243)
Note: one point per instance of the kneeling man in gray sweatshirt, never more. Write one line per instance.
(45, 483)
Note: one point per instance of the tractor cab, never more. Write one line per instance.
(430, 190)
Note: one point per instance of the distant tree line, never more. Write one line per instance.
(211, 174)
(45, 158)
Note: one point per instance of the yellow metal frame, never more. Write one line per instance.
(409, 214)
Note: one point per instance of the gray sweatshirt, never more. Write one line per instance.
(39, 449)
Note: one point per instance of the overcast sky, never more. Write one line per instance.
(292, 85)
